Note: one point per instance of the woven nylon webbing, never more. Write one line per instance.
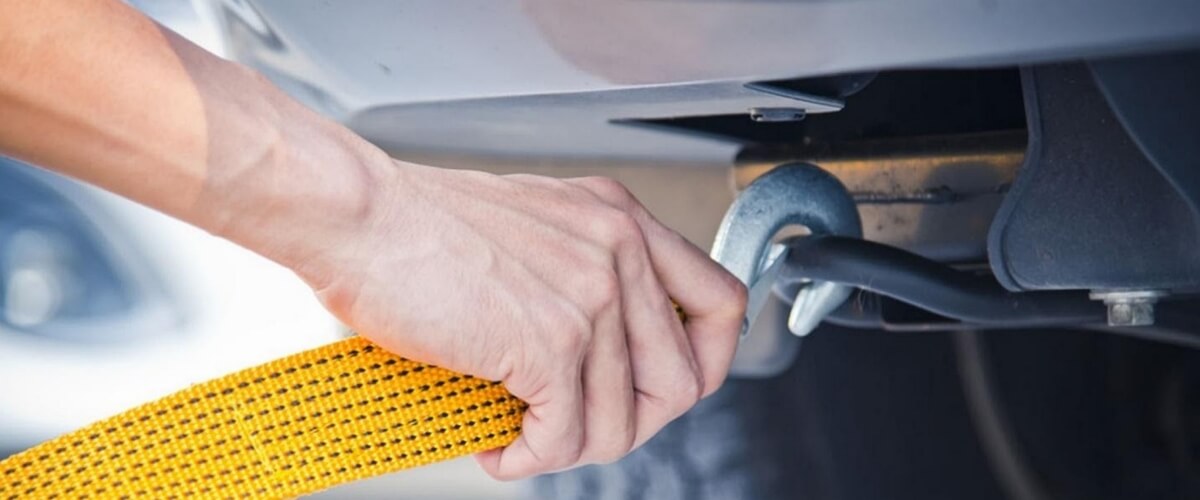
(335, 414)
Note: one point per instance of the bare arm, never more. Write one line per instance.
(96, 91)
(558, 288)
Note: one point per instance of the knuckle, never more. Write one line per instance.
(609, 189)
(616, 447)
(339, 300)
(689, 392)
(566, 455)
(520, 177)
(737, 293)
(712, 383)
(573, 334)
(617, 228)
(605, 291)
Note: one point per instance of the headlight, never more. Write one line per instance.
(105, 304)
(59, 274)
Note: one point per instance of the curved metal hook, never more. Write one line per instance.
(791, 194)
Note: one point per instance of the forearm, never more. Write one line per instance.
(94, 90)
(557, 288)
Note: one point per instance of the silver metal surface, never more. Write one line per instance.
(600, 123)
(343, 58)
(812, 303)
(776, 115)
(791, 195)
(760, 290)
(1129, 307)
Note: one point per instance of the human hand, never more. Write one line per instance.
(561, 289)
(557, 288)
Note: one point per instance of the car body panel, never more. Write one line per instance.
(474, 57)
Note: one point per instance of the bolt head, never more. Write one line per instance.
(1131, 314)
(777, 114)
(1129, 307)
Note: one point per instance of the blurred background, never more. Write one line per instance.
(920, 108)
(105, 304)
(113, 304)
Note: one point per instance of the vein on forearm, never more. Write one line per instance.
(92, 90)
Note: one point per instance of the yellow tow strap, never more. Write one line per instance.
(346, 411)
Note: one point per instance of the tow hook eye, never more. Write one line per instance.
(791, 194)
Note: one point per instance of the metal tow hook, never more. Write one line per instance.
(796, 194)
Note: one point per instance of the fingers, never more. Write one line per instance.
(639, 367)
(608, 402)
(715, 301)
(666, 376)
(551, 437)
(605, 429)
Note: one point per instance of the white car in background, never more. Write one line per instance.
(106, 304)
(1040, 154)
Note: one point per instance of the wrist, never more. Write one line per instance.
(294, 189)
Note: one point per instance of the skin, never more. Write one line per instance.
(558, 288)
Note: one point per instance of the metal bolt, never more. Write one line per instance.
(777, 114)
(1129, 307)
